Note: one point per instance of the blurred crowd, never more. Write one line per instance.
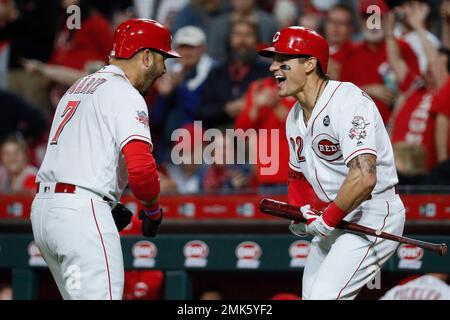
(401, 60)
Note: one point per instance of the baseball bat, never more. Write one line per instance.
(287, 211)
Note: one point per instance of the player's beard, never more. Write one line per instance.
(149, 78)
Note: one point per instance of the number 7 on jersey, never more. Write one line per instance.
(66, 115)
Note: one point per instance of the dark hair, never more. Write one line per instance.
(248, 22)
(319, 70)
(18, 139)
(346, 8)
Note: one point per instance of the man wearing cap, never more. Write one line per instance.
(180, 89)
(100, 142)
(340, 151)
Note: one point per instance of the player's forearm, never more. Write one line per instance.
(359, 183)
(354, 191)
(143, 177)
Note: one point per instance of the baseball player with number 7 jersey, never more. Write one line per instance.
(340, 152)
(100, 142)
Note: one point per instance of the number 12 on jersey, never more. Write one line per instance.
(66, 115)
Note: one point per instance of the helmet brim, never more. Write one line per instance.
(167, 54)
(267, 52)
(172, 54)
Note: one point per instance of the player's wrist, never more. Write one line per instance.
(333, 215)
(153, 211)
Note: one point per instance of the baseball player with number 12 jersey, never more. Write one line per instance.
(100, 142)
(341, 152)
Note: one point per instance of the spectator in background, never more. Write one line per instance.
(16, 175)
(441, 105)
(216, 175)
(409, 162)
(441, 108)
(198, 13)
(4, 53)
(123, 11)
(407, 30)
(445, 14)
(6, 292)
(180, 89)
(286, 13)
(367, 65)
(29, 26)
(314, 12)
(223, 97)
(339, 29)
(77, 52)
(412, 120)
(222, 176)
(211, 293)
(17, 115)
(188, 175)
(222, 27)
(89, 44)
(264, 109)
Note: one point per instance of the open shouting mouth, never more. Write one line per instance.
(280, 80)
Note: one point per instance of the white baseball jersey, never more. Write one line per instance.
(95, 118)
(344, 123)
(423, 288)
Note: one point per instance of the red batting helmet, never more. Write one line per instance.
(136, 34)
(299, 41)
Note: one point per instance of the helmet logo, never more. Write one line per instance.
(276, 36)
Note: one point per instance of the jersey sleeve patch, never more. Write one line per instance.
(142, 118)
(358, 128)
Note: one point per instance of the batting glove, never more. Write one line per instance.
(298, 228)
(122, 216)
(151, 220)
(315, 225)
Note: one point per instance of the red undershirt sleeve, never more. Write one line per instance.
(143, 177)
(301, 193)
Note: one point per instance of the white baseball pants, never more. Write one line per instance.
(339, 265)
(79, 241)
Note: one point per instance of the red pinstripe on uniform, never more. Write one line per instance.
(104, 250)
(367, 252)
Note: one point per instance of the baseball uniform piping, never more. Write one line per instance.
(104, 250)
(312, 126)
(374, 152)
(295, 167)
(138, 137)
(367, 252)
(317, 178)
